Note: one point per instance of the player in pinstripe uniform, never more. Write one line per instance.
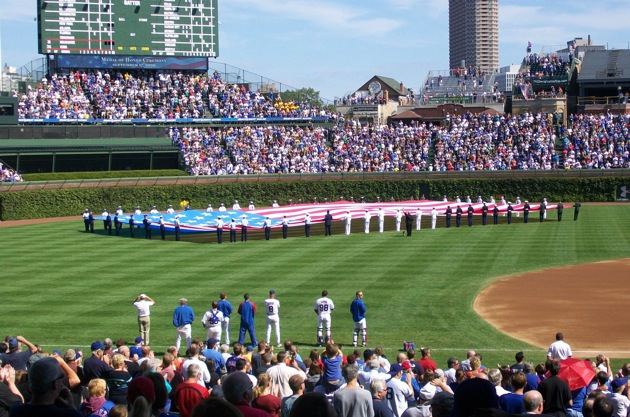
(323, 307)
(272, 308)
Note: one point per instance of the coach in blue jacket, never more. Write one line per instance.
(247, 309)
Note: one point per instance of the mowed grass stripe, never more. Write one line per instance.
(64, 287)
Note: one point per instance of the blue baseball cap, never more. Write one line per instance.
(97, 346)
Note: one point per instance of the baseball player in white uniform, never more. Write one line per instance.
(272, 307)
(381, 220)
(323, 307)
(348, 222)
(211, 321)
(418, 219)
(434, 214)
(398, 219)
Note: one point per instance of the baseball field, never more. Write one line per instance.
(64, 288)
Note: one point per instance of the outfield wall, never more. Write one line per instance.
(28, 202)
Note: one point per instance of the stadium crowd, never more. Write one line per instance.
(465, 142)
(110, 94)
(8, 175)
(213, 379)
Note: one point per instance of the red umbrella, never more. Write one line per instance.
(576, 372)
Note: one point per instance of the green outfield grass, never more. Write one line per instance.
(63, 287)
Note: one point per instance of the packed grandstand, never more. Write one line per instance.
(460, 142)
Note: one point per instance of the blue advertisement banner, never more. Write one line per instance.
(132, 62)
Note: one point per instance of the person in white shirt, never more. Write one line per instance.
(232, 231)
(348, 221)
(398, 219)
(559, 350)
(154, 210)
(194, 359)
(209, 208)
(398, 391)
(222, 207)
(458, 200)
(267, 226)
(434, 214)
(367, 218)
(138, 211)
(468, 199)
(307, 225)
(418, 219)
(244, 224)
(323, 307)
(219, 230)
(275, 204)
(170, 209)
(381, 220)
(211, 321)
(281, 373)
(143, 304)
(272, 308)
(236, 206)
(517, 202)
(119, 211)
(251, 205)
(176, 222)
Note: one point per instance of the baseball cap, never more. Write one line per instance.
(406, 365)
(139, 339)
(618, 383)
(444, 400)
(272, 291)
(97, 346)
(13, 343)
(57, 352)
(395, 368)
(367, 354)
(212, 342)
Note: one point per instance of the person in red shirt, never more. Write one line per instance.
(264, 399)
(190, 392)
(426, 361)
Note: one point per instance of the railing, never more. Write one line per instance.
(234, 75)
(329, 176)
(601, 100)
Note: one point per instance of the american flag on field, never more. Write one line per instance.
(192, 221)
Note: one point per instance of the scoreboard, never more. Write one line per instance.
(180, 28)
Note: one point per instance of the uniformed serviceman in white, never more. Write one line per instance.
(236, 206)
(398, 219)
(434, 214)
(418, 219)
(209, 208)
(138, 211)
(381, 220)
(367, 218)
(170, 209)
(348, 220)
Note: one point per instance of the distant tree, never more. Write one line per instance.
(303, 95)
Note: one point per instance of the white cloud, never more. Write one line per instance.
(353, 21)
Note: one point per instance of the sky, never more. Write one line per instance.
(335, 46)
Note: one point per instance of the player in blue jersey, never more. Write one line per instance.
(357, 308)
(226, 308)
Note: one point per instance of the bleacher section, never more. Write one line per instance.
(459, 86)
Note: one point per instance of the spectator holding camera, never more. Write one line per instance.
(281, 373)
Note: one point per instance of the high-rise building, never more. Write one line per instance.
(474, 33)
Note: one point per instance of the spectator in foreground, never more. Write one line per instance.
(49, 396)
